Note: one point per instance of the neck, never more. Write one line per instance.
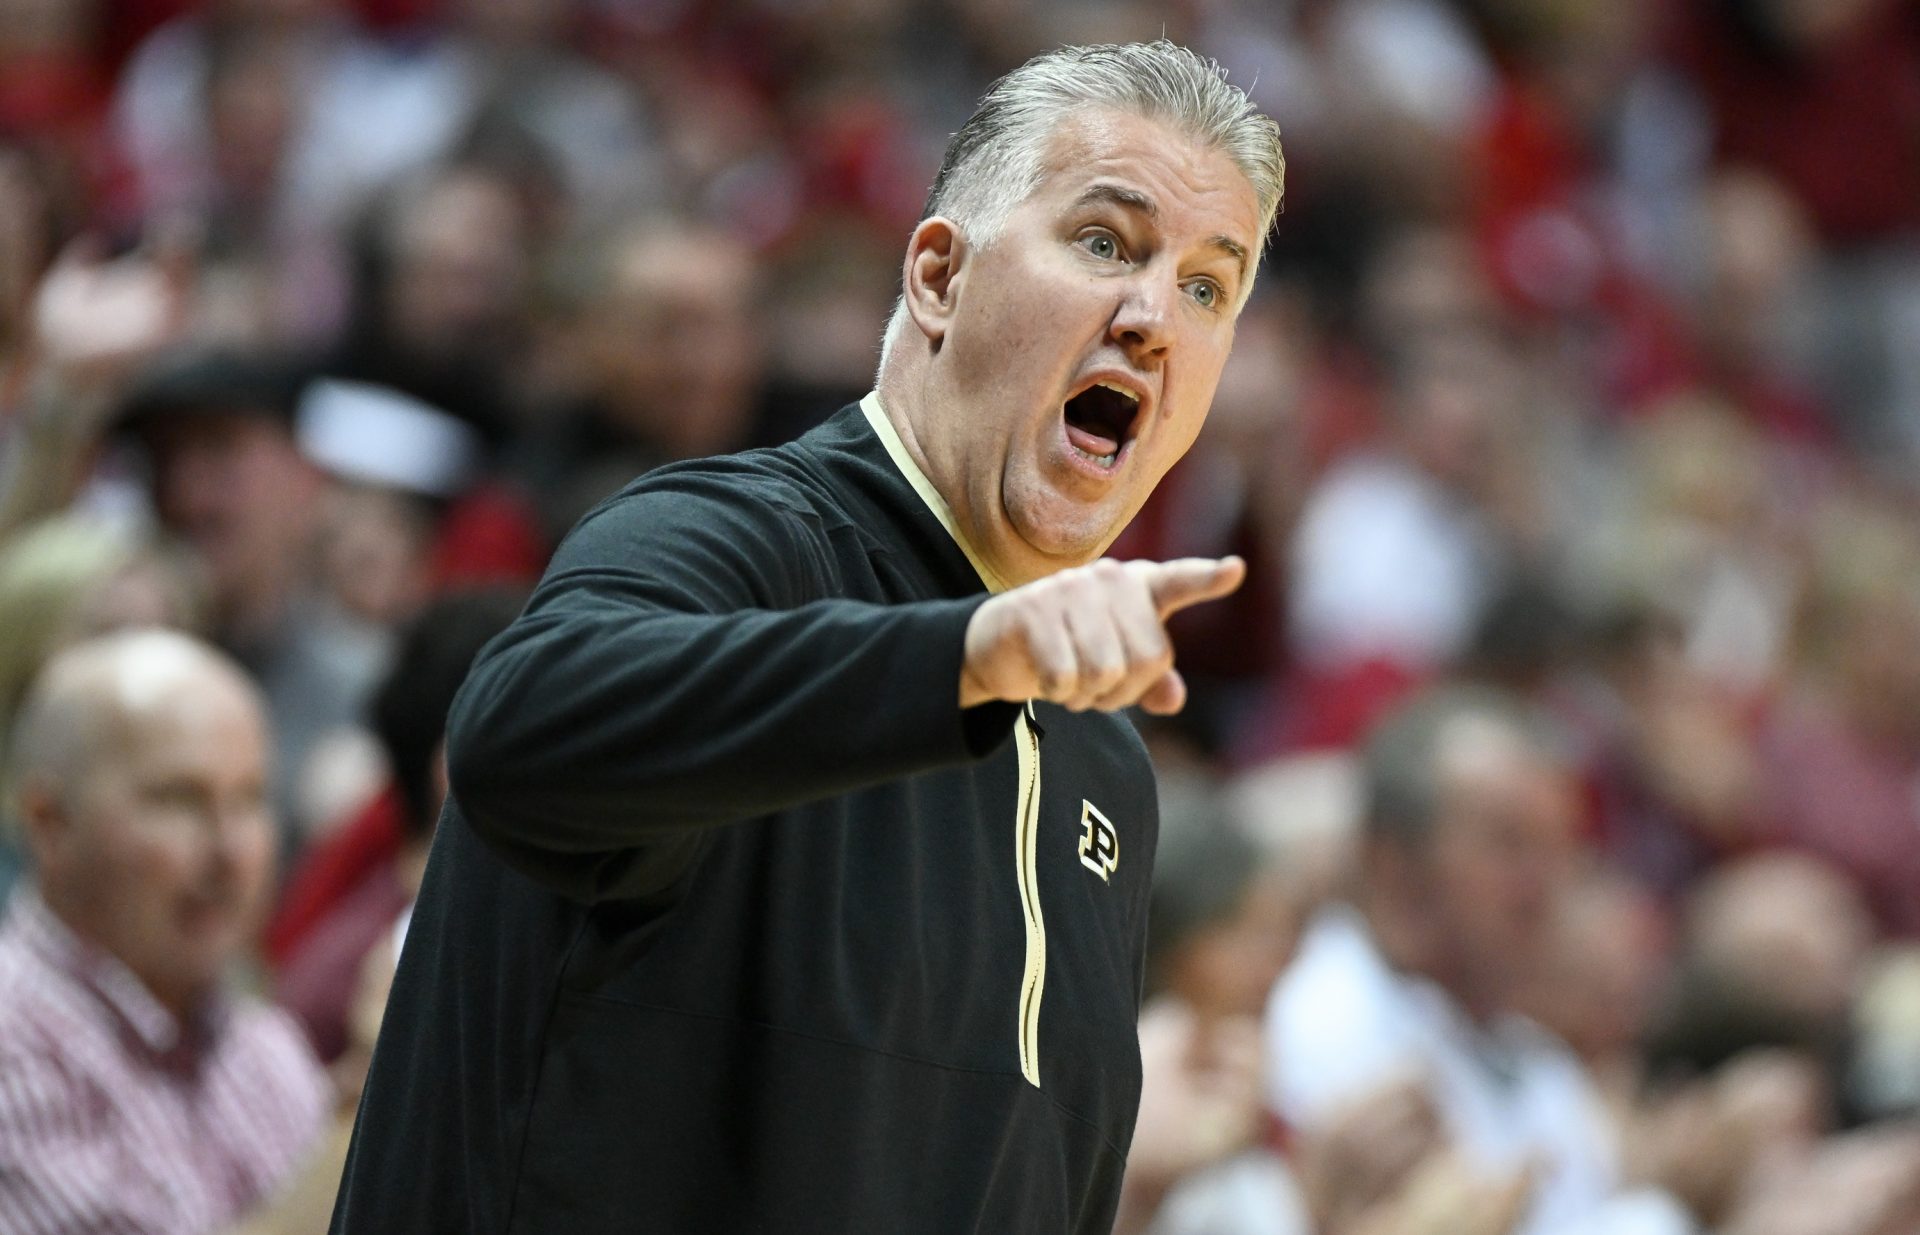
(1409, 949)
(69, 909)
(911, 401)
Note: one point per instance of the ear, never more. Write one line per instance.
(937, 255)
(43, 819)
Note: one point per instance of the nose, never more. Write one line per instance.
(1143, 321)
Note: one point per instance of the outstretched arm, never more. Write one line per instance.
(683, 665)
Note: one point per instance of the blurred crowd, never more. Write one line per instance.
(1541, 848)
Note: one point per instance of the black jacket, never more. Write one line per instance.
(737, 922)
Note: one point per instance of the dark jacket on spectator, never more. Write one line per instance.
(739, 923)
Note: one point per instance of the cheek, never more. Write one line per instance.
(1188, 396)
(146, 864)
(254, 853)
(1474, 889)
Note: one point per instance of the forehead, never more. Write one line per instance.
(1195, 188)
(209, 722)
(216, 428)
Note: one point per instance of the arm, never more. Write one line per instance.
(680, 667)
(94, 322)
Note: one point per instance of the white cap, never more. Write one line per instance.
(376, 435)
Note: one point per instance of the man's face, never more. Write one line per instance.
(236, 488)
(673, 345)
(163, 850)
(1229, 968)
(1125, 267)
(1499, 859)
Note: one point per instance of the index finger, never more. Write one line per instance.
(1188, 581)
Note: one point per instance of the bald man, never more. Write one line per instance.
(137, 1094)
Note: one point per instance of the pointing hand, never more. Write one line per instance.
(1093, 637)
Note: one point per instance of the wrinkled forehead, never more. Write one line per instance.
(1183, 181)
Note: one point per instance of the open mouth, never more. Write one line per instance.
(1100, 422)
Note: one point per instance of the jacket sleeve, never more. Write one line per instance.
(682, 666)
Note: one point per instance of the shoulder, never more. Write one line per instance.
(46, 1044)
(760, 497)
(42, 1012)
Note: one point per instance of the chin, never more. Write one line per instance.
(1058, 552)
(1063, 532)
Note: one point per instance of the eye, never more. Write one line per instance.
(1206, 293)
(1101, 244)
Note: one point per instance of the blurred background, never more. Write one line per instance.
(1583, 377)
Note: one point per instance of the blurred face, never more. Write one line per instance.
(674, 347)
(460, 269)
(236, 488)
(1880, 665)
(1083, 345)
(1229, 969)
(163, 851)
(1607, 966)
(45, 26)
(1498, 862)
(515, 23)
(141, 593)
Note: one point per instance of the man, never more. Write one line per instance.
(670, 361)
(766, 901)
(136, 1094)
(219, 429)
(1469, 837)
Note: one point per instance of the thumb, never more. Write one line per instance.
(1189, 581)
(1166, 696)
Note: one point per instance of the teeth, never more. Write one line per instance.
(1106, 461)
(1121, 390)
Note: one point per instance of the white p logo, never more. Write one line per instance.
(1099, 841)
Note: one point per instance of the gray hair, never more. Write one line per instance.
(999, 155)
(1401, 765)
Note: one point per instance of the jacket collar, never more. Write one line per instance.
(897, 451)
(165, 1036)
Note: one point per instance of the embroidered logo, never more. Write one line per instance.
(1099, 841)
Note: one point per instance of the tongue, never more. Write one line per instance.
(1089, 441)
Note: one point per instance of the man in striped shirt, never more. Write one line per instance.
(137, 1095)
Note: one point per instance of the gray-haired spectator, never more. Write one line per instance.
(1469, 828)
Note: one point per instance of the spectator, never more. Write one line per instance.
(1469, 824)
(1842, 748)
(63, 580)
(668, 361)
(230, 478)
(347, 897)
(1745, 1064)
(1400, 547)
(442, 286)
(280, 106)
(1222, 921)
(137, 1093)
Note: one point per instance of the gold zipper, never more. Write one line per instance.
(1026, 847)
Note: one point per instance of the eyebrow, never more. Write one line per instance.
(1135, 200)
